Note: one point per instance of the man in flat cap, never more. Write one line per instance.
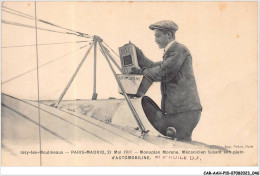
(180, 105)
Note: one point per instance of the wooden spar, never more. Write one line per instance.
(137, 118)
(73, 76)
(94, 96)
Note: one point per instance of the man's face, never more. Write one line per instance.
(160, 38)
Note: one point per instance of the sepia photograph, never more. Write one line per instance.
(129, 83)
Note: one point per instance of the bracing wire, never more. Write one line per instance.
(104, 53)
(29, 26)
(16, 12)
(38, 85)
(112, 51)
(53, 60)
(17, 46)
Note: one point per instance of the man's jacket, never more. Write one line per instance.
(175, 72)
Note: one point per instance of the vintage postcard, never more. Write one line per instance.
(129, 83)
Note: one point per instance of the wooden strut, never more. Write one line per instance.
(106, 54)
(137, 118)
(73, 76)
(94, 96)
(112, 59)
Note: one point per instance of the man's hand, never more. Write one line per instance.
(139, 52)
(140, 56)
(136, 70)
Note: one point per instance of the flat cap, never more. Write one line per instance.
(164, 25)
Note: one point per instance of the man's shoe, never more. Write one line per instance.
(171, 132)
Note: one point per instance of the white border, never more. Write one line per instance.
(127, 170)
(119, 170)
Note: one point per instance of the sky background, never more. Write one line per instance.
(221, 36)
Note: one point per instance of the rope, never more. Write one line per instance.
(58, 58)
(80, 34)
(38, 86)
(16, 46)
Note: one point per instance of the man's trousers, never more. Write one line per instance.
(184, 123)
